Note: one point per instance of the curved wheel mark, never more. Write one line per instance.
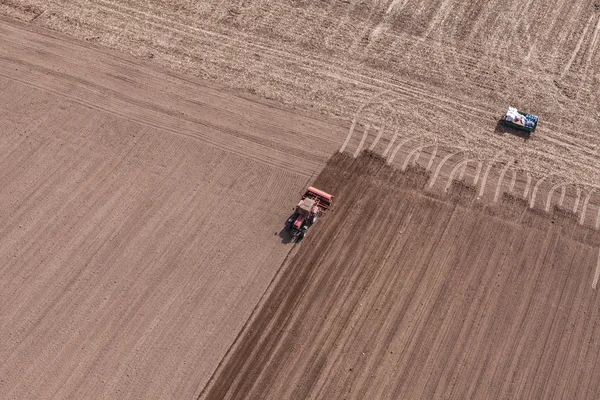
(487, 171)
(377, 138)
(513, 181)
(417, 153)
(462, 172)
(484, 179)
(412, 153)
(501, 179)
(563, 192)
(391, 143)
(597, 273)
(477, 172)
(527, 185)
(362, 141)
(402, 143)
(430, 163)
(550, 193)
(367, 103)
(576, 205)
(584, 207)
(440, 165)
(534, 192)
(456, 167)
(350, 132)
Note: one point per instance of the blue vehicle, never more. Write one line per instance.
(520, 120)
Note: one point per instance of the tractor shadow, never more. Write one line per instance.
(286, 236)
(502, 129)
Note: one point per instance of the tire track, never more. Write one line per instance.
(551, 192)
(440, 166)
(362, 140)
(582, 147)
(412, 154)
(333, 330)
(453, 172)
(501, 180)
(577, 47)
(597, 273)
(534, 192)
(584, 207)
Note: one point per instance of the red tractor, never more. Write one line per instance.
(312, 205)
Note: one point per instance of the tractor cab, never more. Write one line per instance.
(306, 211)
(309, 208)
(306, 207)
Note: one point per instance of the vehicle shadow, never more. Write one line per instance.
(286, 236)
(502, 129)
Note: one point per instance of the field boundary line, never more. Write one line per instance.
(263, 298)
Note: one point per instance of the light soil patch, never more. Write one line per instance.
(140, 211)
(449, 68)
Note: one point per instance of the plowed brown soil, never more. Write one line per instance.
(140, 213)
(401, 295)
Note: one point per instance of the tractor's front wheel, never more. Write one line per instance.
(302, 234)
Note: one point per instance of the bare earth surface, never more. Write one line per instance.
(440, 72)
(141, 209)
(140, 216)
(445, 299)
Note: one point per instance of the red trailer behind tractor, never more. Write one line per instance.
(312, 205)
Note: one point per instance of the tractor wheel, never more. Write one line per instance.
(301, 235)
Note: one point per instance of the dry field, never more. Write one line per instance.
(446, 299)
(440, 71)
(141, 207)
(140, 216)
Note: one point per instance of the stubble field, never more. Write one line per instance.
(439, 72)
